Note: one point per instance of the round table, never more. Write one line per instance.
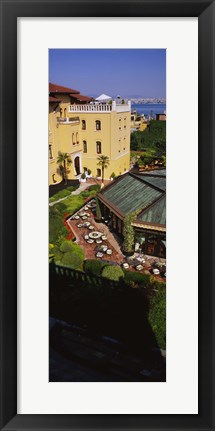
(95, 235)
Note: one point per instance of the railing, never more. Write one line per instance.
(68, 120)
(90, 108)
(101, 107)
(84, 278)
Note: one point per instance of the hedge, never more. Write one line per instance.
(72, 260)
(94, 266)
(157, 317)
(95, 187)
(114, 273)
(134, 279)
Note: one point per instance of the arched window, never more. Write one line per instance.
(83, 124)
(85, 146)
(98, 147)
(98, 125)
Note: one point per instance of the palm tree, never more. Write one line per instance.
(103, 162)
(63, 161)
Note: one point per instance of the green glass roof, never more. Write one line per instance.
(159, 182)
(156, 214)
(130, 193)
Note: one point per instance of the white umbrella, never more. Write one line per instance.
(103, 97)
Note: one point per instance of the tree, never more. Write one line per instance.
(128, 232)
(64, 161)
(103, 162)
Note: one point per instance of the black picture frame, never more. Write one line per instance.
(10, 11)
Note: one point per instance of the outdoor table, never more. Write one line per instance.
(125, 265)
(141, 259)
(77, 217)
(156, 271)
(86, 224)
(139, 267)
(91, 227)
(86, 208)
(109, 251)
(104, 247)
(99, 254)
(79, 225)
(84, 217)
(86, 237)
(94, 235)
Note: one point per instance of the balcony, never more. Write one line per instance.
(68, 120)
(101, 107)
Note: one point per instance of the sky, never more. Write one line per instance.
(124, 72)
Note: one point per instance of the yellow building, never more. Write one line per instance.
(85, 129)
(138, 122)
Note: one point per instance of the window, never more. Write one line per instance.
(50, 152)
(77, 140)
(98, 147)
(120, 124)
(98, 172)
(64, 112)
(85, 169)
(98, 125)
(85, 146)
(73, 139)
(83, 124)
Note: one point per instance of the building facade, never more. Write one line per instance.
(86, 129)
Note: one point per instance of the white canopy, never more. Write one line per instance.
(103, 97)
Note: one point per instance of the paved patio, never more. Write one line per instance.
(113, 243)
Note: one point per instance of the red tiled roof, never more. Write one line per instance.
(54, 88)
(54, 99)
(81, 97)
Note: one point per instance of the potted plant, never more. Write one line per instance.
(89, 173)
(83, 178)
(113, 175)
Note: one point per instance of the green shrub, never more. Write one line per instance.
(85, 194)
(66, 246)
(71, 188)
(56, 229)
(114, 273)
(62, 194)
(157, 317)
(94, 266)
(95, 187)
(141, 280)
(72, 260)
(61, 207)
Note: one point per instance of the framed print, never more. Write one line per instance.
(35, 396)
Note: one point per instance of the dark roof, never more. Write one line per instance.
(156, 181)
(132, 192)
(54, 88)
(129, 194)
(54, 99)
(156, 214)
(81, 97)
